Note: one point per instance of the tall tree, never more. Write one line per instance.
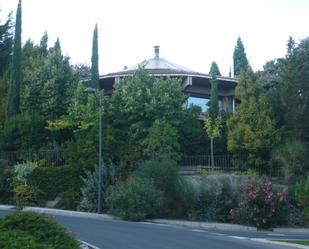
(214, 105)
(251, 128)
(95, 59)
(214, 69)
(239, 58)
(13, 100)
(6, 42)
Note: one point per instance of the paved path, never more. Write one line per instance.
(106, 233)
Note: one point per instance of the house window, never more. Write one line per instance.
(201, 102)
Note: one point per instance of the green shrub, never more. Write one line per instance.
(89, 191)
(17, 239)
(32, 231)
(62, 181)
(177, 194)
(6, 190)
(302, 197)
(135, 199)
(293, 157)
(22, 171)
(215, 198)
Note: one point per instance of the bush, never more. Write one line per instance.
(216, 197)
(259, 205)
(135, 199)
(293, 157)
(177, 194)
(302, 197)
(6, 191)
(32, 231)
(22, 171)
(62, 181)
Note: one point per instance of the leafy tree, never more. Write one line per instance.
(136, 104)
(161, 141)
(213, 128)
(82, 72)
(292, 93)
(239, 58)
(13, 101)
(251, 129)
(95, 59)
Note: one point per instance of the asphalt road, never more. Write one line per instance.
(117, 234)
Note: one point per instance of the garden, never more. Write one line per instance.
(49, 142)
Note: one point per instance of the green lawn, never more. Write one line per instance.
(300, 242)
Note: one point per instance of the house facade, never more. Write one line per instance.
(196, 85)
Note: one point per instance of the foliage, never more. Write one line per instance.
(259, 205)
(176, 193)
(161, 141)
(39, 232)
(239, 58)
(291, 96)
(135, 199)
(13, 99)
(95, 59)
(293, 156)
(6, 42)
(6, 191)
(213, 127)
(215, 198)
(58, 181)
(23, 132)
(89, 191)
(214, 69)
(251, 129)
(302, 196)
(136, 104)
(22, 171)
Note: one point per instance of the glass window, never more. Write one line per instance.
(201, 102)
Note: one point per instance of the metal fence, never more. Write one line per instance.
(227, 163)
(42, 157)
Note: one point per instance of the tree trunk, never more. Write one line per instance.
(212, 154)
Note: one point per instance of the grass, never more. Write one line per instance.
(300, 242)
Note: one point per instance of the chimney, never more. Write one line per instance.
(156, 51)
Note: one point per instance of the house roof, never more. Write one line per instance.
(158, 66)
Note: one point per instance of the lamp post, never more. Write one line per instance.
(91, 90)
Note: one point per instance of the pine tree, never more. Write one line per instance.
(95, 59)
(214, 69)
(14, 88)
(239, 58)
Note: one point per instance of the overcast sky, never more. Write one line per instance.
(190, 33)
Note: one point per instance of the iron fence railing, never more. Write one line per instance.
(42, 157)
(227, 163)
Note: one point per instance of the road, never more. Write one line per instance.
(117, 234)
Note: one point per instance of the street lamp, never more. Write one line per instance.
(97, 92)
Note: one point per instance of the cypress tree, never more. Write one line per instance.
(239, 58)
(95, 60)
(214, 106)
(14, 88)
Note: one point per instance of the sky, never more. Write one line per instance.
(191, 33)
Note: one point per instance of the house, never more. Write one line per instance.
(196, 85)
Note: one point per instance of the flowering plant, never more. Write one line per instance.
(259, 204)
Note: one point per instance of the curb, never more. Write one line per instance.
(281, 243)
(58, 212)
(196, 224)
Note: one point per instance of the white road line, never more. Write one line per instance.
(89, 245)
(275, 234)
(146, 223)
(237, 237)
(161, 225)
(197, 230)
(220, 234)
